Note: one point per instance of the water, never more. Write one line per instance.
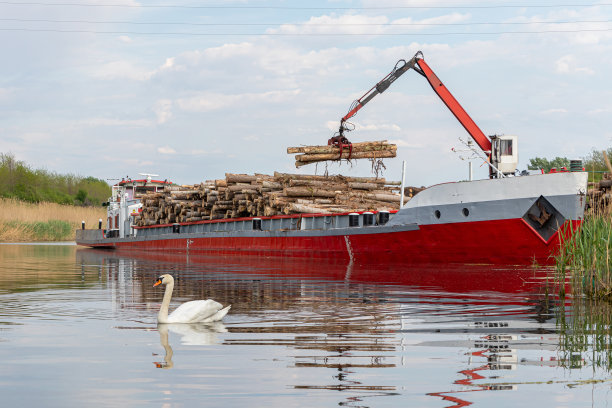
(78, 328)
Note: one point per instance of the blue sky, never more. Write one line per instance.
(191, 90)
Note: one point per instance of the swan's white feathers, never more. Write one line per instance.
(201, 311)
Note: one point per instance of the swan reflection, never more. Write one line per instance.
(195, 334)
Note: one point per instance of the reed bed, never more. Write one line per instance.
(26, 222)
(584, 259)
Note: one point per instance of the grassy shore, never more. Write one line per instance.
(26, 222)
(586, 256)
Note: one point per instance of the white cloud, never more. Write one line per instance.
(206, 101)
(95, 122)
(600, 110)
(36, 137)
(553, 111)
(163, 110)
(568, 65)
(403, 143)
(347, 24)
(410, 23)
(124, 69)
(166, 150)
(372, 127)
(121, 70)
(365, 25)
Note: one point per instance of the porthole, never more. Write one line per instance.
(465, 212)
(437, 214)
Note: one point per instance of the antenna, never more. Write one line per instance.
(148, 176)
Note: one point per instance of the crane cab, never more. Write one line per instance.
(504, 153)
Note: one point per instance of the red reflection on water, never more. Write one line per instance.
(471, 375)
(453, 278)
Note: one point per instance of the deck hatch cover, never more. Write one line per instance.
(544, 218)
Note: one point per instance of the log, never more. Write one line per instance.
(289, 176)
(275, 185)
(346, 155)
(314, 184)
(314, 201)
(174, 202)
(357, 147)
(239, 187)
(293, 208)
(221, 207)
(239, 178)
(307, 192)
(302, 160)
(184, 195)
(270, 211)
(362, 186)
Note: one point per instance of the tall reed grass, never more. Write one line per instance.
(26, 222)
(586, 256)
(585, 333)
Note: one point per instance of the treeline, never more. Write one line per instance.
(18, 180)
(594, 163)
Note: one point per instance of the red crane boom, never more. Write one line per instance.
(418, 64)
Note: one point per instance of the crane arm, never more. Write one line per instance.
(451, 103)
(400, 67)
(418, 64)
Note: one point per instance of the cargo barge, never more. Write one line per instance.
(511, 220)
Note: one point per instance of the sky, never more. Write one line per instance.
(190, 90)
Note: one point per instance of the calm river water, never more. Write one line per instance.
(78, 329)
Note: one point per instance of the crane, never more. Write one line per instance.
(501, 151)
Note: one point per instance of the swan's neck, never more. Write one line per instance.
(162, 316)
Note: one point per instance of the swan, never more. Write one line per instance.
(196, 311)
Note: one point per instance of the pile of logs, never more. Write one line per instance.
(365, 150)
(599, 194)
(244, 195)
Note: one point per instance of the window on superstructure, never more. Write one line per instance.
(506, 147)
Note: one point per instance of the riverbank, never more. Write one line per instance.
(27, 222)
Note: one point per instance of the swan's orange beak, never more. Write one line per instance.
(157, 283)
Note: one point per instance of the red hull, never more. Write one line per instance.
(508, 242)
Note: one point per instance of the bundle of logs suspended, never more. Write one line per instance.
(245, 195)
(365, 150)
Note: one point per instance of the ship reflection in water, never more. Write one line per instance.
(436, 335)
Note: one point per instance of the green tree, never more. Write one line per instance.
(18, 180)
(81, 196)
(538, 163)
(594, 163)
